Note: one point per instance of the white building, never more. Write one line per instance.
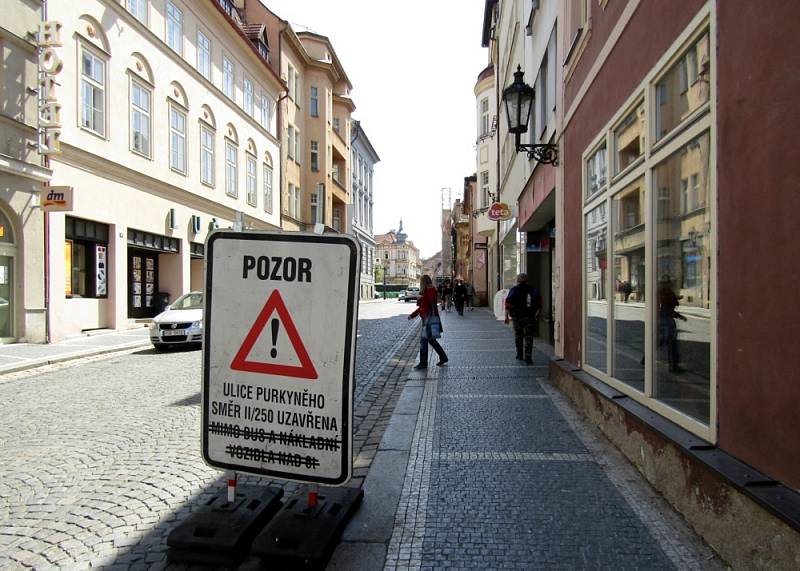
(364, 158)
(168, 131)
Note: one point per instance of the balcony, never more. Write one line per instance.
(229, 8)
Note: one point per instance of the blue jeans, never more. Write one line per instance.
(423, 351)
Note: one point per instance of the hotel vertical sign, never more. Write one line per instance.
(50, 64)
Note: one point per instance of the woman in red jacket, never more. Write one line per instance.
(426, 306)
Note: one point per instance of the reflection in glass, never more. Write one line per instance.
(683, 261)
(596, 172)
(596, 297)
(629, 139)
(628, 208)
(684, 88)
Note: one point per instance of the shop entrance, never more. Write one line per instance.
(142, 283)
(7, 252)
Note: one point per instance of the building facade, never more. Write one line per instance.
(663, 333)
(24, 170)
(398, 258)
(363, 160)
(196, 148)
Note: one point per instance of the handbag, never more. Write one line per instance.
(433, 325)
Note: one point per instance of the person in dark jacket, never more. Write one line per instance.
(427, 307)
(524, 306)
(460, 296)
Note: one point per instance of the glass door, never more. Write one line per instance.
(142, 283)
(6, 296)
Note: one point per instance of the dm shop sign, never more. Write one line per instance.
(500, 211)
(279, 346)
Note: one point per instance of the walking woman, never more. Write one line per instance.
(426, 309)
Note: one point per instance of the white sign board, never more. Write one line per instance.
(279, 347)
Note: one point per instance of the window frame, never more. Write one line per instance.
(210, 151)
(249, 100)
(251, 179)
(267, 182)
(208, 54)
(231, 190)
(95, 85)
(228, 79)
(168, 21)
(314, 101)
(290, 146)
(134, 109)
(266, 112)
(314, 165)
(654, 155)
(177, 109)
(143, 4)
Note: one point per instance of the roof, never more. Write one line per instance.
(255, 32)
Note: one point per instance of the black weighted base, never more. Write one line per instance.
(220, 533)
(302, 537)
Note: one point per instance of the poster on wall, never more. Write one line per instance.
(137, 263)
(137, 288)
(137, 275)
(68, 267)
(100, 270)
(150, 263)
(151, 276)
(149, 301)
(150, 289)
(137, 301)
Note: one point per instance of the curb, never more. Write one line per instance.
(41, 362)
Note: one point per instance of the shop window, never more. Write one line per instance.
(684, 88)
(596, 172)
(85, 258)
(629, 139)
(683, 346)
(596, 301)
(629, 284)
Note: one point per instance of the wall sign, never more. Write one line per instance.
(50, 65)
(101, 270)
(278, 354)
(57, 199)
(500, 211)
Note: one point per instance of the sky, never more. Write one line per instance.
(413, 66)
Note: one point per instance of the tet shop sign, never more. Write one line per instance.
(279, 347)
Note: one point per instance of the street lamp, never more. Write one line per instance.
(518, 99)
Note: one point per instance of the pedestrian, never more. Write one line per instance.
(447, 294)
(667, 328)
(470, 296)
(460, 296)
(524, 306)
(431, 324)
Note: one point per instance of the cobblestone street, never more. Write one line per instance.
(100, 458)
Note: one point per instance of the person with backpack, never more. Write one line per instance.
(524, 306)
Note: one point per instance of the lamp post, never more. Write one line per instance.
(518, 99)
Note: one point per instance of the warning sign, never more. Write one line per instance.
(279, 346)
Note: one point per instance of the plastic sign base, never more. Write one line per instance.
(303, 536)
(220, 534)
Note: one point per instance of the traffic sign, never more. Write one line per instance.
(279, 347)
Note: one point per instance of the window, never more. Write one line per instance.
(484, 117)
(314, 156)
(294, 201)
(654, 336)
(337, 219)
(577, 14)
(267, 188)
(336, 125)
(139, 9)
(543, 108)
(206, 155)
(596, 172)
(314, 102)
(335, 172)
(297, 154)
(292, 84)
(177, 139)
(252, 196)
(174, 28)
(93, 92)
(290, 146)
(140, 119)
(315, 209)
(684, 88)
(85, 255)
(266, 112)
(203, 55)
(629, 139)
(485, 189)
(231, 169)
(249, 99)
(227, 77)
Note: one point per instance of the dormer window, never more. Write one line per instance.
(263, 50)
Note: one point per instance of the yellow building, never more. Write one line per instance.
(398, 258)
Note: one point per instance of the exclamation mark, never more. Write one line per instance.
(275, 324)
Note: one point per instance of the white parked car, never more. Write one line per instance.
(181, 324)
(411, 294)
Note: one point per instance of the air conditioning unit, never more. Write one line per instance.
(195, 223)
(173, 222)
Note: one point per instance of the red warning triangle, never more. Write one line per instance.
(306, 368)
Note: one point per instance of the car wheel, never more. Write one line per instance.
(160, 346)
